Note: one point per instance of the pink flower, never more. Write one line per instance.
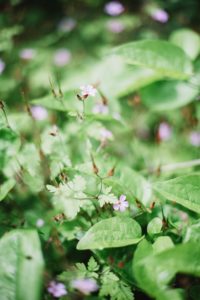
(115, 26)
(66, 24)
(2, 66)
(57, 289)
(62, 57)
(100, 108)
(160, 15)
(39, 113)
(27, 53)
(121, 204)
(105, 134)
(194, 138)
(114, 8)
(164, 131)
(85, 286)
(88, 90)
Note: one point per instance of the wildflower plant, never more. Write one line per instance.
(100, 182)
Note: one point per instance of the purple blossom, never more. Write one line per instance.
(164, 131)
(115, 26)
(27, 53)
(39, 113)
(2, 66)
(85, 286)
(62, 57)
(121, 204)
(114, 8)
(57, 289)
(160, 15)
(66, 25)
(100, 108)
(194, 138)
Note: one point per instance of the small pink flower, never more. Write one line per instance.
(66, 25)
(39, 113)
(194, 138)
(100, 108)
(160, 15)
(2, 66)
(85, 286)
(121, 204)
(105, 134)
(88, 90)
(27, 53)
(57, 289)
(164, 131)
(62, 57)
(115, 26)
(114, 8)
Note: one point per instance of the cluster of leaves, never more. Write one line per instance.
(62, 174)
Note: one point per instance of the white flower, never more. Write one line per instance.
(86, 285)
(194, 138)
(115, 26)
(40, 223)
(57, 289)
(160, 15)
(66, 25)
(39, 113)
(27, 53)
(100, 108)
(121, 204)
(88, 90)
(105, 134)
(114, 8)
(62, 57)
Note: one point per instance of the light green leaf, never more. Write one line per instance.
(165, 58)
(167, 95)
(6, 187)
(184, 190)
(154, 226)
(188, 40)
(22, 265)
(155, 271)
(162, 243)
(110, 233)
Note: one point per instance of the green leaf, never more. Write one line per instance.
(110, 233)
(165, 58)
(188, 40)
(154, 226)
(184, 190)
(22, 265)
(162, 243)
(6, 187)
(155, 271)
(167, 95)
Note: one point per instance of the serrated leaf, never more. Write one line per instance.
(6, 187)
(110, 233)
(184, 190)
(164, 57)
(20, 256)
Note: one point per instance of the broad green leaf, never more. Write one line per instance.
(22, 265)
(110, 233)
(167, 95)
(162, 243)
(188, 40)
(155, 271)
(6, 187)
(165, 58)
(154, 226)
(184, 190)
